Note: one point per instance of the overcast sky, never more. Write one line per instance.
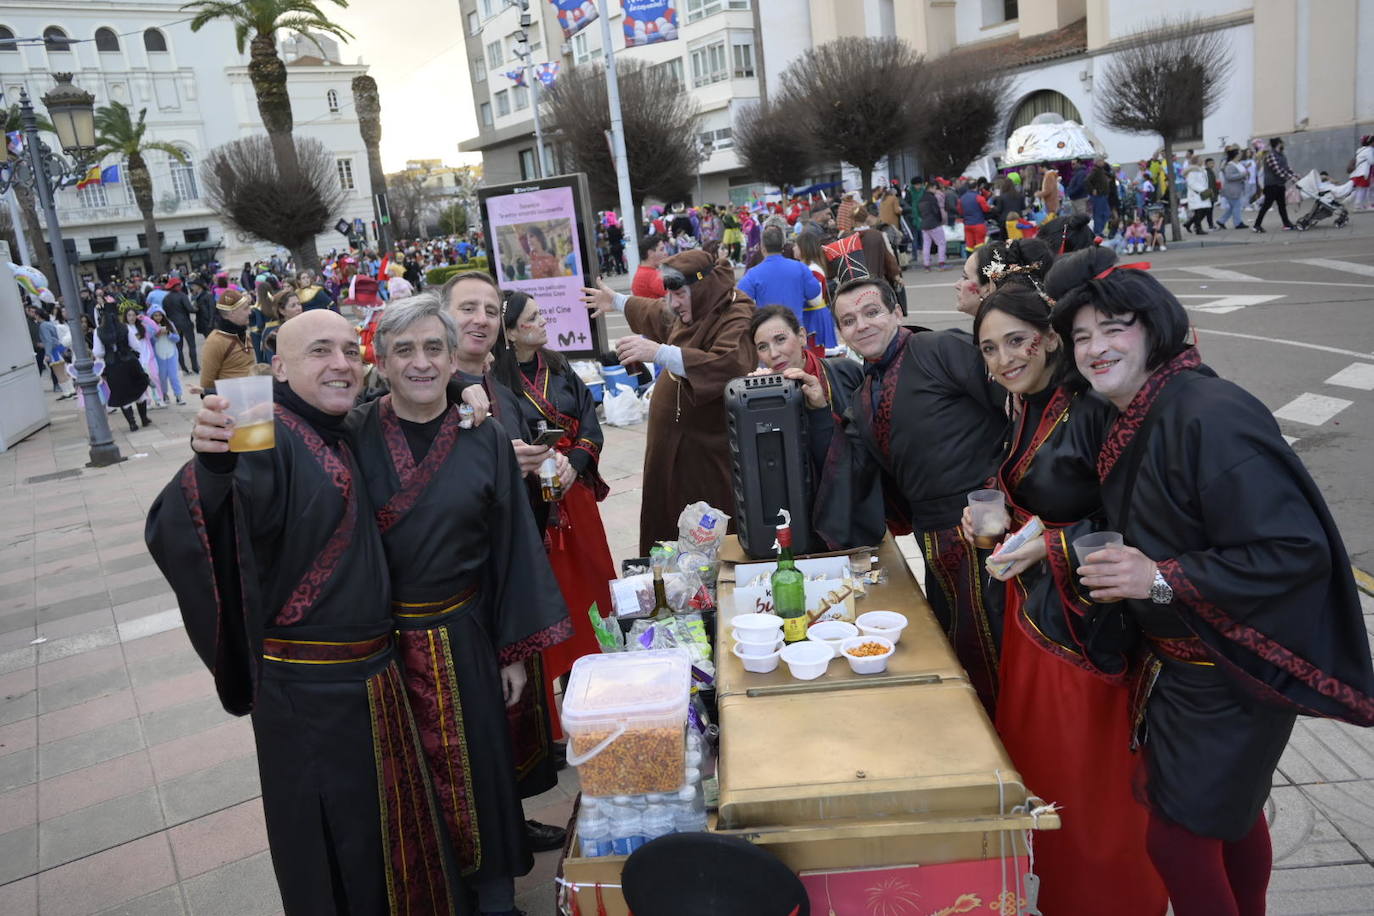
(414, 50)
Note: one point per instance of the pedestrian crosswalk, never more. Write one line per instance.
(1219, 273)
(1355, 375)
(1350, 267)
(1220, 304)
(1314, 410)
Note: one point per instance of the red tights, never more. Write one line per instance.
(1206, 876)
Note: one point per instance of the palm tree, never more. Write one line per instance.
(28, 204)
(119, 135)
(256, 23)
(367, 103)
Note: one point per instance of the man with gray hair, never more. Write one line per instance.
(779, 280)
(473, 594)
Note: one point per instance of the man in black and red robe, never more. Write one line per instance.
(278, 568)
(1232, 570)
(932, 424)
(473, 300)
(473, 595)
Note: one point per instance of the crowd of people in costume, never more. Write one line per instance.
(1148, 688)
(411, 600)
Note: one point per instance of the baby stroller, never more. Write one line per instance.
(1327, 200)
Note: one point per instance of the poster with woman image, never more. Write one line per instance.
(537, 236)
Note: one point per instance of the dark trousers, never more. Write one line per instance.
(188, 340)
(1197, 216)
(1273, 194)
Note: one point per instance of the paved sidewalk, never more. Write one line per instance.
(124, 788)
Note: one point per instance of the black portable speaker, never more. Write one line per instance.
(768, 462)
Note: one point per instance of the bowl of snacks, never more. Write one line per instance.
(832, 633)
(756, 649)
(867, 654)
(807, 660)
(887, 624)
(759, 664)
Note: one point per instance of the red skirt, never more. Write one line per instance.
(582, 563)
(1068, 733)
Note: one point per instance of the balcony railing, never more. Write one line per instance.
(84, 216)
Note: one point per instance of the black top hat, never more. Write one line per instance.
(690, 874)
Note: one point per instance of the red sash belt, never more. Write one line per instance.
(1187, 649)
(309, 652)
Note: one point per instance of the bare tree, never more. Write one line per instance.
(408, 198)
(858, 99)
(771, 144)
(243, 183)
(660, 122)
(1164, 81)
(965, 107)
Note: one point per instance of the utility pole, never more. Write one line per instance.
(628, 217)
(522, 51)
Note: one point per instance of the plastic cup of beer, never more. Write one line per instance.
(1089, 544)
(250, 407)
(990, 519)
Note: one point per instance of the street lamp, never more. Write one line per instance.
(72, 112)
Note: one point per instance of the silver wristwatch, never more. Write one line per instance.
(1161, 592)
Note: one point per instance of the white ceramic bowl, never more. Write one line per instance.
(832, 633)
(756, 650)
(807, 660)
(759, 665)
(887, 624)
(757, 637)
(867, 664)
(755, 623)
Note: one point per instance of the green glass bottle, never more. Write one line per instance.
(789, 586)
(662, 610)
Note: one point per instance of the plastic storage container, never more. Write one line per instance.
(624, 714)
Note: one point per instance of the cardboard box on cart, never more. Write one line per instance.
(580, 877)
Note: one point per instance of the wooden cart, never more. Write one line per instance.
(892, 784)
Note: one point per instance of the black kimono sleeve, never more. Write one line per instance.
(848, 507)
(586, 448)
(1268, 584)
(530, 614)
(202, 531)
(960, 362)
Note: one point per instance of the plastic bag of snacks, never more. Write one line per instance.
(608, 634)
(701, 529)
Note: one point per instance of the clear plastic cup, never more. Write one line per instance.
(1089, 544)
(250, 407)
(990, 519)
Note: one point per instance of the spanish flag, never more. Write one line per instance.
(92, 177)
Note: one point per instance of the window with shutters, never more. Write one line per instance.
(184, 177)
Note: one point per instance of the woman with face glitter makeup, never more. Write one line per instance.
(1063, 706)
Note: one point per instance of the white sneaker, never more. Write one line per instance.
(1163, 247)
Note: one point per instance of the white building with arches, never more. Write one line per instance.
(197, 94)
